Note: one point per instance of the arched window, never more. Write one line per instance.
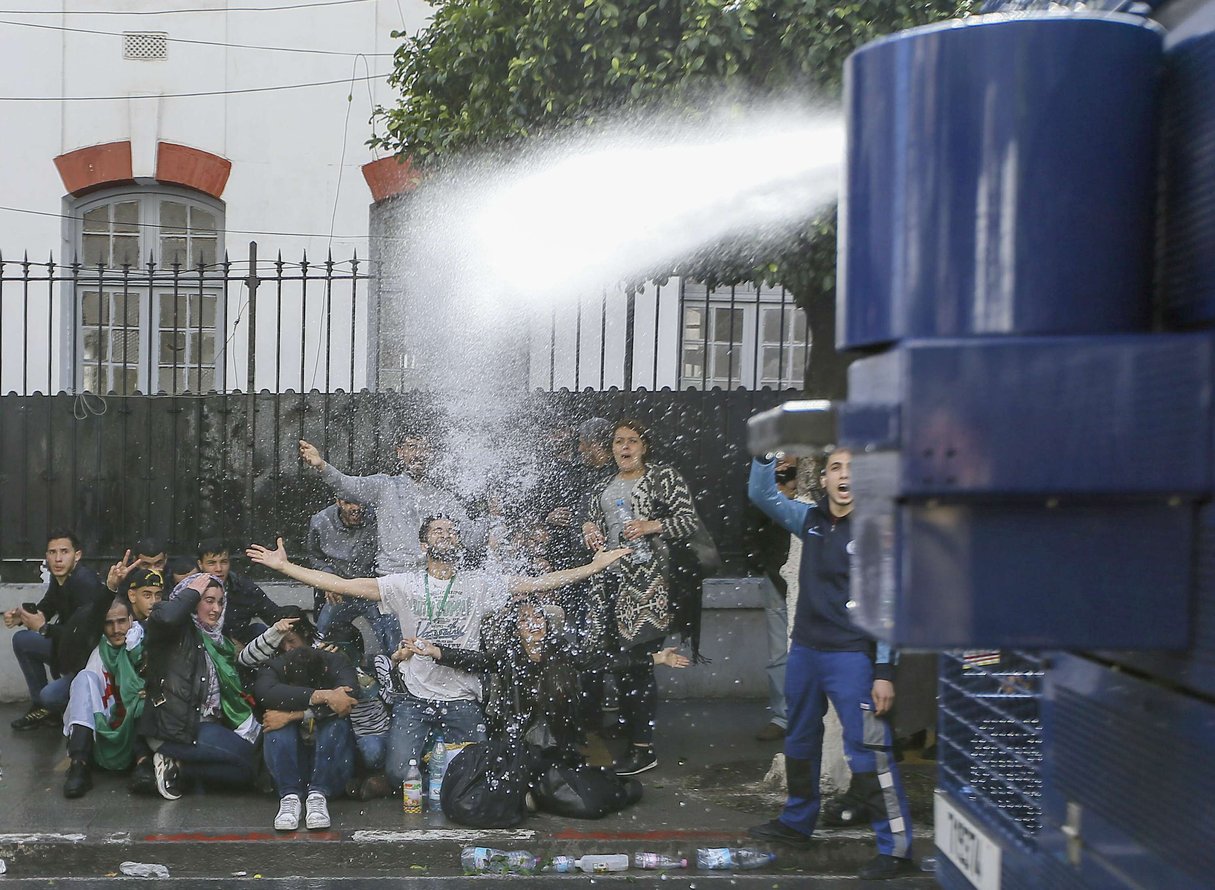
(149, 291)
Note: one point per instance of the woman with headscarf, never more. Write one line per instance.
(636, 591)
(197, 717)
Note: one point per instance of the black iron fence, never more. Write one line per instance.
(181, 467)
(239, 325)
(268, 324)
(182, 391)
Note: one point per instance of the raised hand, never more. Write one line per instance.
(311, 456)
(285, 625)
(273, 559)
(119, 571)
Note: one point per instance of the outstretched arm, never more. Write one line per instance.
(364, 588)
(762, 490)
(554, 580)
(364, 489)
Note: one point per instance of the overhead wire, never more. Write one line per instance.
(277, 88)
(190, 40)
(211, 10)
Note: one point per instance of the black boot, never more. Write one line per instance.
(80, 750)
(859, 805)
(79, 779)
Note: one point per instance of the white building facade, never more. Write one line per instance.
(145, 144)
(178, 133)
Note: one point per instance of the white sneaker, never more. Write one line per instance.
(288, 818)
(317, 811)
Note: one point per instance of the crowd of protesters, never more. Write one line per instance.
(498, 619)
(491, 620)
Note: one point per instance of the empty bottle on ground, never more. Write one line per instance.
(487, 861)
(730, 858)
(594, 864)
(657, 860)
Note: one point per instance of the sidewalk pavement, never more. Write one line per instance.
(706, 791)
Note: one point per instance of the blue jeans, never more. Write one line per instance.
(33, 654)
(373, 749)
(218, 756)
(413, 721)
(386, 626)
(325, 765)
(776, 617)
(846, 678)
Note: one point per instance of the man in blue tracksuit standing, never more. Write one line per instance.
(831, 659)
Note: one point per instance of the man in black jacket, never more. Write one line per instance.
(246, 601)
(74, 592)
(309, 744)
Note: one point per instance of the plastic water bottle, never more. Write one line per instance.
(438, 766)
(642, 552)
(732, 859)
(488, 861)
(411, 790)
(657, 860)
(594, 864)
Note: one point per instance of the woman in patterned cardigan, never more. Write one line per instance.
(630, 603)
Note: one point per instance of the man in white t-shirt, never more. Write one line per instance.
(443, 605)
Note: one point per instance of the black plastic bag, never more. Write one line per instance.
(486, 785)
(584, 792)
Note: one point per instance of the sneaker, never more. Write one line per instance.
(884, 868)
(771, 733)
(639, 760)
(317, 810)
(79, 780)
(780, 833)
(288, 818)
(168, 776)
(143, 778)
(31, 719)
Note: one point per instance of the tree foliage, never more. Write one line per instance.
(489, 73)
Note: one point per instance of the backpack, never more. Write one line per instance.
(583, 792)
(487, 785)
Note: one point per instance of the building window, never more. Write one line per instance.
(149, 291)
(744, 336)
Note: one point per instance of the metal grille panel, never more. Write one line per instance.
(990, 743)
(145, 46)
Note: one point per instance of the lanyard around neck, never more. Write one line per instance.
(446, 594)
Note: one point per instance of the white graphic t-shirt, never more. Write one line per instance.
(448, 613)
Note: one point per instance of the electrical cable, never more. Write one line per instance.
(211, 10)
(279, 88)
(337, 194)
(167, 38)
